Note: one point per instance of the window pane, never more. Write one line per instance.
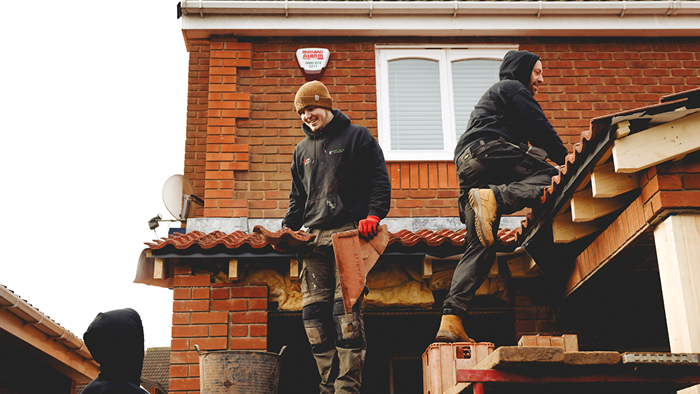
(414, 105)
(470, 79)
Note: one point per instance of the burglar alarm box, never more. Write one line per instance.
(442, 360)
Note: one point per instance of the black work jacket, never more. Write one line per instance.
(508, 110)
(338, 176)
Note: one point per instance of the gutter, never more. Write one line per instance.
(54, 334)
(452, 8)
(673, 18)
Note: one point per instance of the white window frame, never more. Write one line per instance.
(444, 56)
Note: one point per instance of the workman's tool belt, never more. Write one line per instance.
(533, 158)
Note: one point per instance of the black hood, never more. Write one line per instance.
(115, 340)
(518, 65)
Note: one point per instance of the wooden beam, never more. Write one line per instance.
(605, 157)
(585, 208)
(53, 352)
(233, 269)
(160, 269)
(293, 269)
(564, 230)
(657, 144)
(584, 184)
(522, 266)
(605, 182)
(427, 268)
(677, 239)
(623, 129)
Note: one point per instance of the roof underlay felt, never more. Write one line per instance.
(556, 235)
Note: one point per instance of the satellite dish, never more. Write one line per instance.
(177, 196)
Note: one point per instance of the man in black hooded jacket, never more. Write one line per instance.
(501, 166)
(339, 182)
(115, 340)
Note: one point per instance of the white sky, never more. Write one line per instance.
(93, 114)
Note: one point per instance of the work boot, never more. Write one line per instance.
(452, 330)
(483, 202)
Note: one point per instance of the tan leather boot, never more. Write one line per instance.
(483, 202)
(452, 330)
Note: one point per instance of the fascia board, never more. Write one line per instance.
(631, 25)
(454, 8)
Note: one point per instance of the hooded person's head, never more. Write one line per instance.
(518, 66)
(115, 340)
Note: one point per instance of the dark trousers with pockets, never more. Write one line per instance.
(517, 178)
(337, 338)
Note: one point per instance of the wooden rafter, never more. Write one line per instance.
(658, 144)
(585, 208)
(605, 182)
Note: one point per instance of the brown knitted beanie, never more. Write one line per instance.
(314, 94)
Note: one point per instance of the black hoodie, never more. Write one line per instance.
(115, 340)
(339, 176)
(508, 110)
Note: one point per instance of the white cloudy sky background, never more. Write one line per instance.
(94, 98)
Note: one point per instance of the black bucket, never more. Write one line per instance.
(239, 371)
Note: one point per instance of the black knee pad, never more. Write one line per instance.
(318, 323)
(348, 327)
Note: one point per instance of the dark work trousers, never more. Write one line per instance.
(337, 339)
(517, 179)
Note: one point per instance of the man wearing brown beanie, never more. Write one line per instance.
(340, 182)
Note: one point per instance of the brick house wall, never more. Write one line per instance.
(214, 316)
(241, 127)
(242, 130)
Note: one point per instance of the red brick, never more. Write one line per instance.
(184, 384)
(219, 294)
(200, 294)
(524, 326)
(178, 371)
(192, 281)
(218, 330)
(210, 343)
(249, 292)
(189, 331)
(546, 325)
(421, 193)
(258, 343)
(249, 317)
(670, 182)
(209, 318)
(258, 330)
(683, 199)
(178, 344)
(651, 188)
(691, 181)
(258, 304)
(181, 294)
(181, 318)
(183, 358)
(229, 305)
(194, 370)
(239, 330)
(191, 306)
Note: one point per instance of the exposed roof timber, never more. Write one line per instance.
(440, 18)
(63, 351)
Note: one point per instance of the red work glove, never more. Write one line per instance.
(368, 227)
